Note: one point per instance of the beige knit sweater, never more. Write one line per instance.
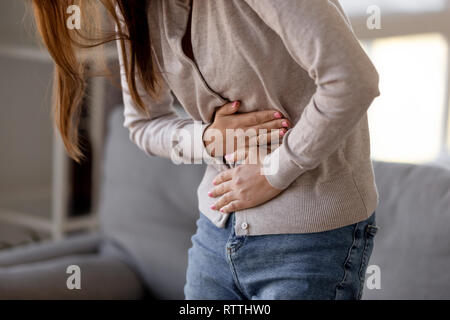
(300, 57)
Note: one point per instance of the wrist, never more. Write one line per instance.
(209, 156)
(213, 141)
(207, 141)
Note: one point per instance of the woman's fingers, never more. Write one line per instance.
(228, 109)
(223, 201)
(238, 155)
(223, 177)
(272, 136)
(271, 125)
(233, 206)
(220, 190)
(255, 118)
(251, 155)
(253, 137)
(240, 130)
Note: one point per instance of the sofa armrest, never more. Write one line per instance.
(82, 244)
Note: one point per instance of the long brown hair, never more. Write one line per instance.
(66, 44)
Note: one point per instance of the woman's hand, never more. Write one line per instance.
(252, 154)
(227, 118)
(241, 188)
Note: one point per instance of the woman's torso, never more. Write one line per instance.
(236, 56)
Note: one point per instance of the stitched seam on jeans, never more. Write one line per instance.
(235, 277)
(364, 260)
(347, 260)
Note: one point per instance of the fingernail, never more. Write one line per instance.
(221, 210)
(214, 182)
(213, 207)
(277, 115)
(282, 133)
(285, 124)
(235, 105)
(210, 194)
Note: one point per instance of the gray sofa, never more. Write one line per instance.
(412, 247)
(148, 212)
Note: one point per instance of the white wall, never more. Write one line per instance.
(25, 125)
(15, 22)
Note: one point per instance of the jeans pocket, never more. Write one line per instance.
(369, 235)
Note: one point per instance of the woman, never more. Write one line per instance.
(299, 224)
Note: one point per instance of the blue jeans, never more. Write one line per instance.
(324, 265)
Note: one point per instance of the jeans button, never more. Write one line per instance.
(244, 225)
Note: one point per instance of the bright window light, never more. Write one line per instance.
(406, 121)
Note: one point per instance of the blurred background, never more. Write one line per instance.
(42, 192)
(26, 137)
(409, 122)
(46, 196)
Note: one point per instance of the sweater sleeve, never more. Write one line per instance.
(319, 38)
(160, 131)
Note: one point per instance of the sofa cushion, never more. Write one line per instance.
(412, 247)
(148, 207)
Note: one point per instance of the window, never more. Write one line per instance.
(407, 120)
